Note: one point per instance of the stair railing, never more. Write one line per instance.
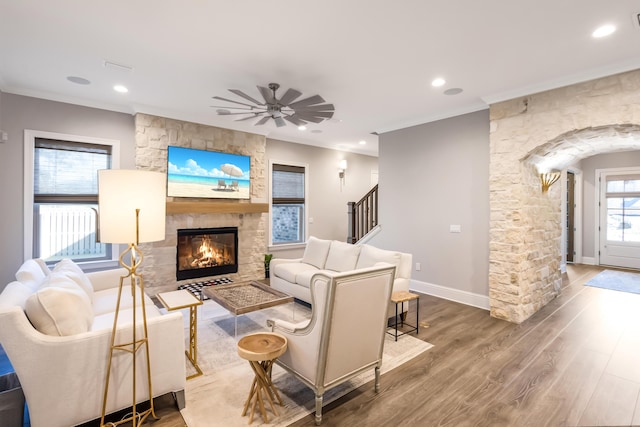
(363, 215)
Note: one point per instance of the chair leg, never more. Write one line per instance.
(318, 409)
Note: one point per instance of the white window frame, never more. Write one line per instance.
(306, 205)
(29, 156)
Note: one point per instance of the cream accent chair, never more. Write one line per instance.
(345, 335)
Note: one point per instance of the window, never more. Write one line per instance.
(61, 186)
(288, 189)
(623, 208)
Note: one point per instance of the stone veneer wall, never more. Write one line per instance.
(552, 128)
(153, 136)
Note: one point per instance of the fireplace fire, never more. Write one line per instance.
(204, 252)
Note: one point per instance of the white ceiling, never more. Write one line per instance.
(373, 59)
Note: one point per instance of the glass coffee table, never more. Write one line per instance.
(245, 297)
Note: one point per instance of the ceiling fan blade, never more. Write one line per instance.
(280, 121)
(245, 96)
(252, 116)
(323, 114)
(321, 107)
(266, 94)
(295, 120)
(231, 100)
(233, 108)
(262, 120)
(289, 96)
(312, 119)
(315, 99)
(229, 113)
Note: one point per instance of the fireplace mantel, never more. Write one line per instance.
(186, 207)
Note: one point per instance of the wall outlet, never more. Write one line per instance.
(456, 228)
(4, 137)
(418, 267)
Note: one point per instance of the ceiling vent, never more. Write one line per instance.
(118, 67)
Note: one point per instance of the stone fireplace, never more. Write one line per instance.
(205, 252)
(153, 136)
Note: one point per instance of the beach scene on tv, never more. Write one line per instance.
(209, 174)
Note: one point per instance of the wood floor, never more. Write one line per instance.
(574, 363)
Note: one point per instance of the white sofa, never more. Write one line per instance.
(293, 276)
(55, 326)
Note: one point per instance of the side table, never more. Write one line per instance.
(399, 298)
(261, 350)
(178, 300)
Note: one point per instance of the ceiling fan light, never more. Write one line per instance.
(311, 109)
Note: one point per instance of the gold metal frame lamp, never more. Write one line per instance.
(132, 207)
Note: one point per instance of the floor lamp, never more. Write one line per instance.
(131, 207)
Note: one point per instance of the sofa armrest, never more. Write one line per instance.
(63, 378)
(106, 279)
(276, 261)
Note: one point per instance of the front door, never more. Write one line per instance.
(620, 218)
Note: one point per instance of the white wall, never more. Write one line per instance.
(326, 203)
(19, 113)
(433, 176)
(589, 192)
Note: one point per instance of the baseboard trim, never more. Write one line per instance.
(456, 295)
(588, 260)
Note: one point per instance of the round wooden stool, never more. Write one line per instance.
(261, 350)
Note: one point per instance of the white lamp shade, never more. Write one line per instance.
(120, 193)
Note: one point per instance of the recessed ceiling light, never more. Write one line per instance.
(302, 127)
(438, 82)
(453, 91)
(120, 88)
(603, 31)
(78, 80)
(363, 142)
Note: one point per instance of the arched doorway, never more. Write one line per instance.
(550, 130)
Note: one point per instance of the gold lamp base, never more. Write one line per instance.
(137, 343)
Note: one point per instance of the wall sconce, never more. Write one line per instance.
(342, 167)
(548, 178)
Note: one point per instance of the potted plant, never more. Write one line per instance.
(267, 261)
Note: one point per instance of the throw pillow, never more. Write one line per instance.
(75, 273)
(370, 255)
(316, 252)
(31, 274)
(342, 257)
(60, 307)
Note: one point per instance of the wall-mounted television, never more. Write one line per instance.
(207, 174)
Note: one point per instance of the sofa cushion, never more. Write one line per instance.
(60, 307)
(31, 274)
(75, 273)
(370, 255)
(342, 257)
(105, 301)
(289, 271)
(316, 252)
(303, 278)
(125, 317)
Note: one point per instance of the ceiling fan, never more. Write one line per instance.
(299, 113)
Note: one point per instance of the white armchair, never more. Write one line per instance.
(345, 335)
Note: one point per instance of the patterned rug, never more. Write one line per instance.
(217, 397)
(196, 287)
(623, 281)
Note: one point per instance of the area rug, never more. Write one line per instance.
(217, 397)
(623, 281)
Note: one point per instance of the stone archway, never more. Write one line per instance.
(549, 130)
